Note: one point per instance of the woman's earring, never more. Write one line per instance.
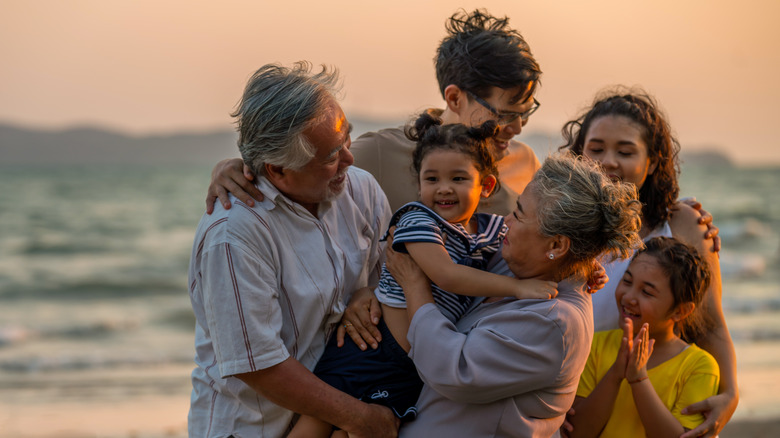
(550, 256)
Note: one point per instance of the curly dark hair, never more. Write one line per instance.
(430, 135)
(659, 191)
(482, 51)
(689, 277)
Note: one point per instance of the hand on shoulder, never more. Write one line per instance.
(684, 222)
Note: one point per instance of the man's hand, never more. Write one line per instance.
(311, 396)
(717, 411)
(705, 219)
(360, 320)
(408, 274)
(379, 423)
(232, 176)
(403, 268)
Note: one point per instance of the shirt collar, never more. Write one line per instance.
(273, 198)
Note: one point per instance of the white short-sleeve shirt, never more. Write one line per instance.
(270, 282)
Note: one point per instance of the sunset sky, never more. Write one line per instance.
(162, 66)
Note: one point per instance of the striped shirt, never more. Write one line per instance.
(415, 222)
(270, 282)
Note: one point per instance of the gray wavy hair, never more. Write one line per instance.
(278, 104)
(577, 200)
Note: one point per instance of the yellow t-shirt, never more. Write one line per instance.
(690, 377)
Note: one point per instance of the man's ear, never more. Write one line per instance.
(488, 184)
(275, 174)
(455, 98)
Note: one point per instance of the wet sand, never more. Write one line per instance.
(166, 417)
(769, 428)
(154, 403)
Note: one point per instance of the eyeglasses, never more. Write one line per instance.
(507, 117)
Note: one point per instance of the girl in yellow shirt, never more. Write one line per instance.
(639, 378)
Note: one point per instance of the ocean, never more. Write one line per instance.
(94, 308)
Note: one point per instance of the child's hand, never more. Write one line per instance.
(536, 289)
(598, 277)
(636, 368)
(618, 369)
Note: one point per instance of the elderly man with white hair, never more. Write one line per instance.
(269, 283)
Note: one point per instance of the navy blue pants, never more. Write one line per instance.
(384, 376)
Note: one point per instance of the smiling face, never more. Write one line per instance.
(525, 248)
(450, 185)
(644, 295)
(323, 177)
(512, 100)
(617, 143)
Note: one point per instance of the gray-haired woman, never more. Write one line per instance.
(511, 367)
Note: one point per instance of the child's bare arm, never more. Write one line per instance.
(593, 411)
(463, 280)
(656, 418)
(529, 288)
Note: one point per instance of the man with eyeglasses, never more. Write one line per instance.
(485, 71)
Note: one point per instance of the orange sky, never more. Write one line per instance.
(159, 66)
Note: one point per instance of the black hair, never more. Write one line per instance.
(660, 189)
(430, 135)
(482, 51)
(689, 277)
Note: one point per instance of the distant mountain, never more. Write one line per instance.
(705, 156)
(101, 146)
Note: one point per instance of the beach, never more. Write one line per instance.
(96, 329)
(154, 404)
(89, 406)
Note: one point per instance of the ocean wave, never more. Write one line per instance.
(183, 319)
(63, 248)
(16, 334)
(745, 231)
(89, 362)
(758, 334)
(741, 213)
(93, 289)
(751, 305)
(742, 265)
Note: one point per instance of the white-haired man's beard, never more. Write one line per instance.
(336, 185)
